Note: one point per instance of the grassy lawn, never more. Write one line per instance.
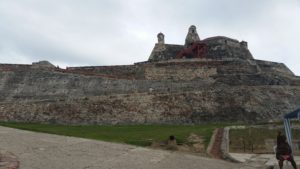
(141, 135)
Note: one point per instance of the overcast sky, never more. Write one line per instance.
(114, 32)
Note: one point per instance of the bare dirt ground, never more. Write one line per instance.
(46, 151)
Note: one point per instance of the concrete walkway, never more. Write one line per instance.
(257, 161)
(46, 151)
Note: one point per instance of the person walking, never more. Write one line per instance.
(284, 151)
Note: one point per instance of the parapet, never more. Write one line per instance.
(222, 40)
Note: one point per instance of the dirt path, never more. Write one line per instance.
(46, 151)
(215, 151)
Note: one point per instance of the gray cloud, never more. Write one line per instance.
(109, 32)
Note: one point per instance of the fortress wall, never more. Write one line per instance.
(247, 104)
(273, 67)
(119, 71)
(295, 81)
(164, 52)
(239, 52)
(223, 51)
(39, 84)
(173, 73)
(252, 80)
(182, 71)
(170, 70)
(12, 67)
(189, 91)
(237, 67)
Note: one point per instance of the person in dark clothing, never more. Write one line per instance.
(280, 138)
(284, 152)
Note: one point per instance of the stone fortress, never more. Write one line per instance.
(210, 80)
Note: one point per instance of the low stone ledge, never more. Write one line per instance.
(225, 146)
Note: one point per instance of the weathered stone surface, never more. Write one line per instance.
(212, 104)
(181, 92)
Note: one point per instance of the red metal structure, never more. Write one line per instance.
(196, 50)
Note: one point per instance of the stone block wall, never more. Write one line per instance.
(14, 67)
(120, 71)
(37, 84)
(208, 104)
(275, 68)
(223, 48)
(177, 91)
(237, 67)
(179, 71)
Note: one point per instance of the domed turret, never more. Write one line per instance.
(161, 38)
(192, 36)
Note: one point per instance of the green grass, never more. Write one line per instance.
(245, 139)
(141, 135)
